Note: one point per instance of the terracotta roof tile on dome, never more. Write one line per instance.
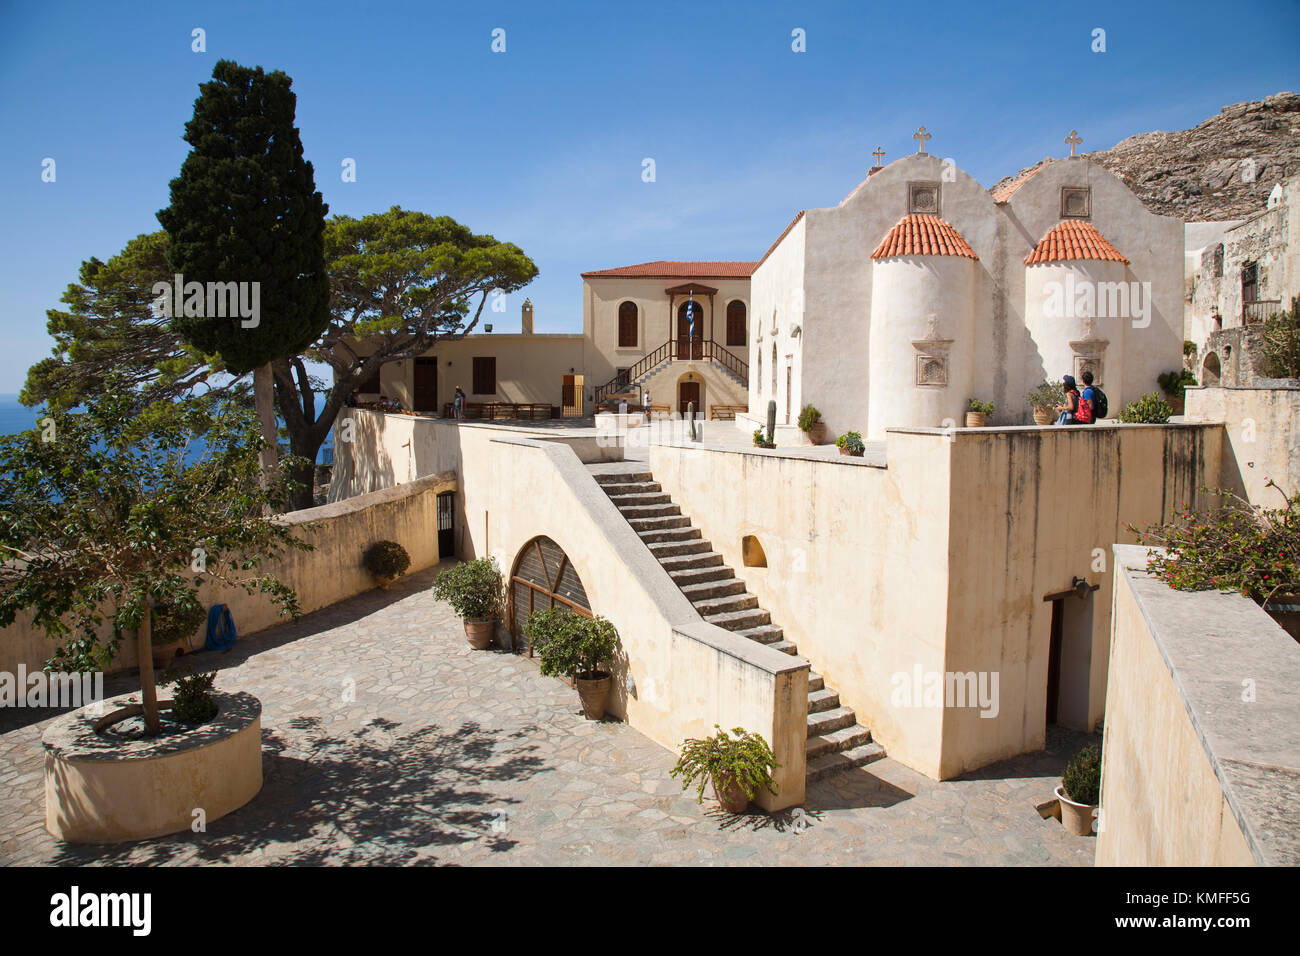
(671, 269)
(923, 235)
(1073, 239)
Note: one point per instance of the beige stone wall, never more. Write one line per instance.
(1262, 431)
(1162, 804)
(940, 561)
(340, 532)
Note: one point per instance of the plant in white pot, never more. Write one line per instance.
(573, 645)
(1080, 791)
(474, 591)
(738, 765)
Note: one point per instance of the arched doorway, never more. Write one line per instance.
(1211, 372)
(690, 391)
(542, 578)
(690, 346)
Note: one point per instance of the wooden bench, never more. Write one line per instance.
(726, 413)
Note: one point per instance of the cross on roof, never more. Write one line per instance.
(880, 155)
(1074, 139)
(921, 136)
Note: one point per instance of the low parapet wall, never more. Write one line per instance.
(340, 533)
(1262, 428)
(1201, 758)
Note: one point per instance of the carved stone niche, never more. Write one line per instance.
(923, 199)
(932, 358)
(1089, 354)
(1076, 202)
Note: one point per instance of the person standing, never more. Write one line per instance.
(1070, 409)
(458, 404)
(1087, 401)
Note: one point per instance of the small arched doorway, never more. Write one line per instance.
(690, 391)
(542, 578)
(1211, 371)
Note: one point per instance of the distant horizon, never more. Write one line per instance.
(545, 145)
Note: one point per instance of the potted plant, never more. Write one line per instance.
(811, 424)
(1150, 409)
(474, 591)
(173, 625)
(978, 412)
(578, 647)
(1174, 385)
(387, 561)
(850, 443)
(1044, 400)
(737, 764)
(1080, 791)
(760, 440)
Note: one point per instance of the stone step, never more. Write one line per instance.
(726, 604)
(689, 576)
(815, 682)
(785, 647)
(827, 764)
(633, 488)
(819, 700)
(659, 523)
(623, 477)
(622, 501)
(670, 534)
(707, 590)
(846, 738)
(764, 633)
(676, 546)
(662, 510)
(739, 620)
(689, 562)
(837, 718)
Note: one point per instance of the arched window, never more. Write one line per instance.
(627, 325)
(542, 578)
(774, 370)
(737, 334)
(751, 551)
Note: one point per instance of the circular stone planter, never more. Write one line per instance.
(1077, 817)
(106, 789)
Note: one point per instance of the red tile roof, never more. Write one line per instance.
(670, 269)
(1073, 239)
(1006, 192)
(922, 235)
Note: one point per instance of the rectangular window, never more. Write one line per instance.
(485, 375)
(371, 385)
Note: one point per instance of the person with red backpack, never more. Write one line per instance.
(1084, 415)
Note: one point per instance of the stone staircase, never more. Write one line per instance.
(835, 740)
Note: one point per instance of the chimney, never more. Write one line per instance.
(526, 318)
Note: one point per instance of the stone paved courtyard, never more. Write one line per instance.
(386, 740)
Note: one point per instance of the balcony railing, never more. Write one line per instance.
(1259, 310)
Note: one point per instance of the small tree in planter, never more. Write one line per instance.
(475, 593)
(172, 625)
(1045, 399)
(578, 647)
(978, 412)
(1080, 791)
(811, 424)
(1150, 409)
(387, 561)
(850, 443)
(1174, 385)
(737, 766)
(106, 517)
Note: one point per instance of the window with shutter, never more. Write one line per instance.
(737, 334)
(627, 325)
(485, 375)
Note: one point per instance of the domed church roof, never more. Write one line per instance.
(923, 235)
(1073, 239)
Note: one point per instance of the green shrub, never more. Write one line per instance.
(1279, 345)
(1173, 384)
(760, 439)
(977, 406)
(472, 588)
(1236, 546)
(571, 645)
(1189, 348)
(386, 559)
(191, 702)
(808, 418)
(175, 622)
(1150, 409)
(1048, 395)
(851, 442)
(745, 758)
(1082, 778)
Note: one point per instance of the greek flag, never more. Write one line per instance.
(690, 316)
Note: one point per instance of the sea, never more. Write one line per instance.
(16, 417)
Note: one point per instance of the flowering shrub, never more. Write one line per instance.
(1235, 547)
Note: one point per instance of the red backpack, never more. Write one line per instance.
(1083, 415)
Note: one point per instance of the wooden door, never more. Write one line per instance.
(688, 346)
(424, 396)
(688, 392)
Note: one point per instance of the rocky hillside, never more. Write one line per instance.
(1204, 173)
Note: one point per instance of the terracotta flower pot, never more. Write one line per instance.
(1043, 415)
(479, 633)
(974, 419)
(818, 434)
(854, 454)
(593, 693)
(163, 654)
(731, 797)
(384, 582)
(1078, 818)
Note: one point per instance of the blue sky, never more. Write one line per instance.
(543, 144)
